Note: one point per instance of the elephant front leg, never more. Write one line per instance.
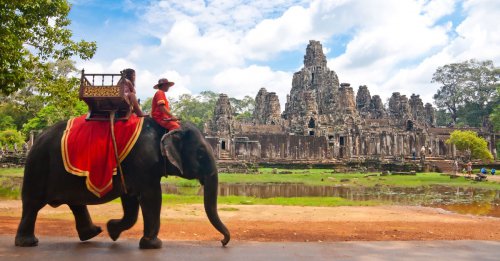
(151, 206)
(84, 225)
(130, 206)
(25, 236)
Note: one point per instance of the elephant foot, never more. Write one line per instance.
(86, 234)
(114, 230)
(26, 241)
(150, 243)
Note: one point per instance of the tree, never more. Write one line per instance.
(467, 90)
(471, 144)
(10, 137)
(34, 32)
(495, 117)
(243, 109)
(196, 109)
(146, 105)
(51, 97)
(6, 122)
(495, 114)
(199, 109)
(52, 114)
(442, 117)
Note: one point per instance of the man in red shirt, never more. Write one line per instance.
(160, 110)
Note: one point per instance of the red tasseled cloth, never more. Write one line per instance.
(87, 149)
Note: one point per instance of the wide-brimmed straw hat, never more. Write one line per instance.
(163, 81)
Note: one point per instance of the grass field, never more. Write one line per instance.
(310, 177)
(323, 177)
(298, 201)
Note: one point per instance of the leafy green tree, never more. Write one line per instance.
(495, 114)
(243, 108)
(20, 106)
(52, 114)
(196, 109)
(467, 90)
(495, 118)
(146, 105)
(199, 109)
(51, 97)
(471, 144)
(6, 122)
(34, 32)
(10, 137)
(442, 117)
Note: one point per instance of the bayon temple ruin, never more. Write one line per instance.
(327, 121)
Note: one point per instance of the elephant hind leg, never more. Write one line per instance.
(84, 225)
(130, 206)
(25, 236)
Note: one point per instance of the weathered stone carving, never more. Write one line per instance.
(325, 121)
(430, 117)
(377, 110)
(222, 122)
(314, 91)
(267, 108)
(363, 101)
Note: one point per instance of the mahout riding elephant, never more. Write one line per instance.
(46, 181)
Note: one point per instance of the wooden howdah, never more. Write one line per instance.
(103, 94)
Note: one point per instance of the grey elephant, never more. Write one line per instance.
(187, 153)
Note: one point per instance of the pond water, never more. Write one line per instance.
(461, 200)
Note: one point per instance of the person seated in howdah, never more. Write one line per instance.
(128, 84)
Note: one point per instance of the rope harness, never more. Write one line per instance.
(113, 139)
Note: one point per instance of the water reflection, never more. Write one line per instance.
(462, 200)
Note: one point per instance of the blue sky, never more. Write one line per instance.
(238, 46)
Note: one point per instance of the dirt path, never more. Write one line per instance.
(277, 223)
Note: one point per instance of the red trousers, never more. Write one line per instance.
(169, 125)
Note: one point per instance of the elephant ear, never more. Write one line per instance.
(170, 148)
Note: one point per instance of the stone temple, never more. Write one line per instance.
(327, 121)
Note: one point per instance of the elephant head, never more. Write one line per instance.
(191, 157)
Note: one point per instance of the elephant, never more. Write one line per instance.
(188, 155)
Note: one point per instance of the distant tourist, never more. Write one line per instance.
(482, 174)
(422, 153)
(469, 168)
(493, 171)
(414, 154)
(455, 167)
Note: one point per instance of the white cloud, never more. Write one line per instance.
(435, 10)
(184, 43)
(274, 35)
(238, 82)
(393, 45)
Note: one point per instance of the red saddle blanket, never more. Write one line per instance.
(87, 149)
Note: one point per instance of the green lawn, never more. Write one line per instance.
(11, 171)
(321, 177)
(169, 199)
(324, 177)
(310, 177)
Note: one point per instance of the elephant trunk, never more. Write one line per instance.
(210, 189)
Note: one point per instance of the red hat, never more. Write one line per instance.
(163, 81)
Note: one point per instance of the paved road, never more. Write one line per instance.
(59, 248)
